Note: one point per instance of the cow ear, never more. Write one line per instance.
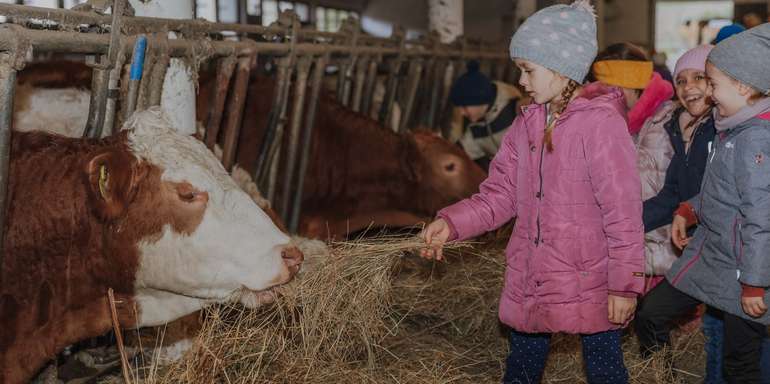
(411, 159)
(111, 182)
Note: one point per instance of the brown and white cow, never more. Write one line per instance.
(149, 213)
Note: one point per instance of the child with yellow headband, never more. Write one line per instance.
(627, 67)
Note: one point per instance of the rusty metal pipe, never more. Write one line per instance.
(307, 136)
(358, 90)
(96, 107)
(371, 82)
(225, 68)
(7, 87)
(237, 102)
(437, 78)
(88, 43)
(158, 74)
(277, 144)
(390, 92)
(300, 86)
(112, 94)
(263, 160)
(415, 70)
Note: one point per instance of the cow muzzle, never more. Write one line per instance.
(293, 259)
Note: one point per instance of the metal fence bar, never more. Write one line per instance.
(307, 135)
(300, 86)
(415, 71)
(7, 87)
(225, 68)
(237, 103)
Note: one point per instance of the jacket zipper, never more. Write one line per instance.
(540, 193)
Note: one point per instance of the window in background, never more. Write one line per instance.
(228, 11)
(42, 3)
(68, 4)
(254, 7)
(330, 19)
(269, 12)
(206, 9)
(303, 11)
(681, 25)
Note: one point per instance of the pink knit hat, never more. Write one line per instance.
(693, 59)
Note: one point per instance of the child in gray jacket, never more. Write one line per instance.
(726, 263)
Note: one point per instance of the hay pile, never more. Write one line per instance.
(372, 313)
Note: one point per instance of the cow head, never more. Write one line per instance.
(444, 172)
(200, 237)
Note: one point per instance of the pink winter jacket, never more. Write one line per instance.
(579, 233)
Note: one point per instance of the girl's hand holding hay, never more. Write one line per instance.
(435, 236)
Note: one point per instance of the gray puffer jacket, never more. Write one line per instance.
(732, 243)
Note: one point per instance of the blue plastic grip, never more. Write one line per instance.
(137, 62)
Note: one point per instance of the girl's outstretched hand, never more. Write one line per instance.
(621, 309)
(679, 232)
(435, 235)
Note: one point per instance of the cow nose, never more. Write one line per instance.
(293, 258)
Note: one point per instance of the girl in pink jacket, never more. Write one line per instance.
(567, 171)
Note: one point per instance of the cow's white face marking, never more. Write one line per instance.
(235, 246)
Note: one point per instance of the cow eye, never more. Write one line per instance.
(187, 196)
(450, 167)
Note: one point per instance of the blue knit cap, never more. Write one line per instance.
(472, 88)
(561, 38)
(727, 31)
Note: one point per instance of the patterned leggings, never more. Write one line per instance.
(601, 352)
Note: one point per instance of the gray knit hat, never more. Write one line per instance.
(561, 38)
(733, 57)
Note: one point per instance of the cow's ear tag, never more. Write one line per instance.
(104, 177)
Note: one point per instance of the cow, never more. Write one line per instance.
(360, 173)
(148, 213)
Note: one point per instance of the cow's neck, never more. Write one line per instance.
(371, 174)
(54, 288)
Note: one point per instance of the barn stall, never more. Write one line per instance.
(369, 312)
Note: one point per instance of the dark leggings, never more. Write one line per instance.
(601, 352)
(742, 338)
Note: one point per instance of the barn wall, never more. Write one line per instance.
(628, 20)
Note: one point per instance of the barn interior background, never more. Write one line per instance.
(393, 60)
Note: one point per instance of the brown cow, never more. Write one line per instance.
(360, 173)
(149, 213)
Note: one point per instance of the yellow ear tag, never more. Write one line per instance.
(104, 177)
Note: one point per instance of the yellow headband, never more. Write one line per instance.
(624, 73)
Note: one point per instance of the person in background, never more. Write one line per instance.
(627, 67)
(484, 110)
(751, 20)
(659, 66)
(727, 31)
